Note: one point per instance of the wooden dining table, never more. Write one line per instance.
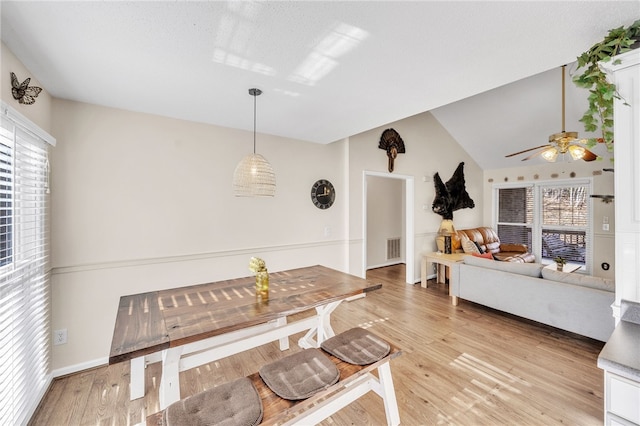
(186, 327)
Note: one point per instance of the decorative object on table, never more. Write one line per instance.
(602, 91)
(391, 142)
(560, 262)
(259, 267)
(254, 176)
(561, 143)
(451, 196)
(22, 92)
(447, 232)
(323, 194)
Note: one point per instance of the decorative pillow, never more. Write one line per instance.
(483, 255)
(480, 249)
(579, 279)
(470, 247)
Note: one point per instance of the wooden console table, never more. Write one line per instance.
(190, 326)
(442, 261)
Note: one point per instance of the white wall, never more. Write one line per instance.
(141, 202)
(429, 149)
(38, 112)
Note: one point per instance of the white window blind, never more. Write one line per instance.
(24, 270)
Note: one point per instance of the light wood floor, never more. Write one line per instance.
(464, 365)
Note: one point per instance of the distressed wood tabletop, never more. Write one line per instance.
(154, 321)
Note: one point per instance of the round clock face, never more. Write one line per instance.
(323, 194)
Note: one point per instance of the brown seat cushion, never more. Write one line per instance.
(357, 346)
(300, 375)
(230, 404)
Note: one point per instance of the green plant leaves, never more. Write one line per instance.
(601, 91)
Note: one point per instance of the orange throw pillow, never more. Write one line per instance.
(486, 255)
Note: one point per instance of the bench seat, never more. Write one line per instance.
(355, 381)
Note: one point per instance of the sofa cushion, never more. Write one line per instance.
(483, 255)
(528, 269)
(469, 246)
(579, 279)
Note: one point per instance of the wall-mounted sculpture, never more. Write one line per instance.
(22, 92)
(451, 196)
(391, 142)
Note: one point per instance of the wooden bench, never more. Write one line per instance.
(355, 381)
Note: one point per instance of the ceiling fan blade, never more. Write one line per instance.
(589, 156)
(527, 150)
(535, 153)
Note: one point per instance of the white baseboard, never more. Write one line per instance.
(79, 367)
(382, 265)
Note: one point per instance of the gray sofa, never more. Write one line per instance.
(569, 301)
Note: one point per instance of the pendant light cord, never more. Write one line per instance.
(563, 102)
(255, 93)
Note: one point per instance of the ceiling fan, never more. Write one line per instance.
(561, 143)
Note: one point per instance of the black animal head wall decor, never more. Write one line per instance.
(22, 92)
(451, 196)
(391, 142)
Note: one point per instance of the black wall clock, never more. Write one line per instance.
(323, 194)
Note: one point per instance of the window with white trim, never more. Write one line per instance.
(552, 218)
(25, 335)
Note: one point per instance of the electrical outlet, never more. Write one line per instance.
(605, 226)
(60, 336)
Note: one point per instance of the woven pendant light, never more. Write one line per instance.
(254, 176)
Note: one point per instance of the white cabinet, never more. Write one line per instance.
(624, 71)
(622, 400)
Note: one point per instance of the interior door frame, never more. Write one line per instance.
(409, 236)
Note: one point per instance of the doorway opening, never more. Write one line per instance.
(406, 218)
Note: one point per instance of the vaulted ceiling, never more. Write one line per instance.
(489, 71)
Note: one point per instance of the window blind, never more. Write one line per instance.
(24, 270)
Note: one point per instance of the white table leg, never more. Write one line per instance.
(136, 383)
(388, 395)
(169, 391)
(423, 272)
(323, 330)
(284, 341)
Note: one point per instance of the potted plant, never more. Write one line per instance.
(601, 91)
(560, 262)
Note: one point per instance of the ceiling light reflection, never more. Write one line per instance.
(221, 56)
(323, 58)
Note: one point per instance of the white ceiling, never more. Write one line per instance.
(328, 70)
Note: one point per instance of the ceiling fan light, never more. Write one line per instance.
(577, 152)
(550, 154)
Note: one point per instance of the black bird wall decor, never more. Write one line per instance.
(451, 196)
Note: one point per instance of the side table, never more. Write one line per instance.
(442, 261)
